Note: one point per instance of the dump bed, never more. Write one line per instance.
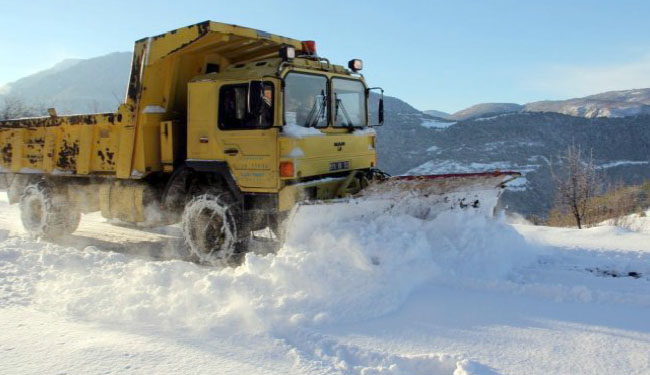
(80, 144)
(127, 143)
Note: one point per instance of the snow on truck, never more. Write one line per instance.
(224, 129)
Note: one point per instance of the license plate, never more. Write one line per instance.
(339, 165)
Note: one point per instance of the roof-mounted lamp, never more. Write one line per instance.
(287, 53)
(355, 65)
(309, 47)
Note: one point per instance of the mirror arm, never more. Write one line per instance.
(380, 109)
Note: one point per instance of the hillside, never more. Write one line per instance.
(519, 141)
(76, 86)
(608, 104)
(486, 109)
(439, 114)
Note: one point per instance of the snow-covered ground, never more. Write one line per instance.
(351, 292)
(634, 222)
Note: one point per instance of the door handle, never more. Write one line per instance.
(231, 151)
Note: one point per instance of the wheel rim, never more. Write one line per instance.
(210, 231)
(33, 216)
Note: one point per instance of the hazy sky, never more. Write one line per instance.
(442, 55)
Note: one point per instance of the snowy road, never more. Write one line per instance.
(359, 294)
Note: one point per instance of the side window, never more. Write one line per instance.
(235, 111)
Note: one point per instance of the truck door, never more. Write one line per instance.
(245, 133)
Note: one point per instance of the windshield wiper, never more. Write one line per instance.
(339, 104)
(314, 114)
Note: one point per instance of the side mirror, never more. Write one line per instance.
(379, 117)
(255, 97)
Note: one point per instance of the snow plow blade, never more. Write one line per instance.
(427, 196)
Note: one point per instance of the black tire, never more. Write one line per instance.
(45, 213)
(212, 230)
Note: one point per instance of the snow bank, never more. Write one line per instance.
(339, 264)
(634, 222)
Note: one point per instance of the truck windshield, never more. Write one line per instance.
(349, 103)
(305, 100)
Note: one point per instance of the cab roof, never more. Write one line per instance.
(235, 43)
(269, 67)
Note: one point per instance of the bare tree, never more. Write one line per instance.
(576, 183)
(14, 107)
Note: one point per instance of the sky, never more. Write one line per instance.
(443, 55)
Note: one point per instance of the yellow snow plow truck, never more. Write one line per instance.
(224, 129)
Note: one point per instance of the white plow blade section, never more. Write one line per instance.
(425, 196)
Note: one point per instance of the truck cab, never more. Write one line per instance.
(294, 128)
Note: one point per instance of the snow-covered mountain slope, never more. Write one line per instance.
(609, 104)
(439, 114)
(364, 294)
(77, 85)
(486, 109)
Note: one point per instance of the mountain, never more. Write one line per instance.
(75, 85)
(608, 104)
(486, 110)
(439, 114)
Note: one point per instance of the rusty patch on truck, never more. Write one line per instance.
(67, 156)
(82, 119)
(110, 156)
(44, 122)
(106, 157)
(110, 117)
(7, 153)
(34, 159)
(202, 28)
(30, 123)
(35, 141)
(134, 82)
